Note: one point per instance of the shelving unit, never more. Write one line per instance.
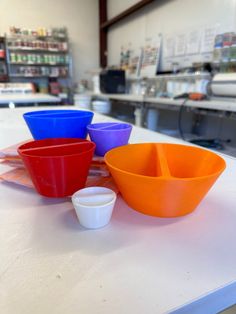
(39, 58)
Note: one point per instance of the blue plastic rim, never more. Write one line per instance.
(58, 123)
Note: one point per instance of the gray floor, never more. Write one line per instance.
(228, 149)
(231, 310)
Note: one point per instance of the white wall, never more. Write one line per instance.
(79, 16)
(168, 17)
(115, 7)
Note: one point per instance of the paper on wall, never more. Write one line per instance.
(208, 38)
(193, 42)
(151, 56)
(169, 47)
(134, 62)
(180, 44)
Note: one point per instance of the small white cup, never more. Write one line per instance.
(94, 206)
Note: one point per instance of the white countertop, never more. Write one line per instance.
(124, 97)
(214, 104)
(225, 104)
(137, 264)
(28, 98)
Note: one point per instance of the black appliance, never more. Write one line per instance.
(112, 81)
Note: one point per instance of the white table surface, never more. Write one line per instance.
(28, 98)
(137, 264)
(213, 104)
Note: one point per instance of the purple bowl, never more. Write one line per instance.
(109, 135)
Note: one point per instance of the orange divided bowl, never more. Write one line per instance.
(164, 180)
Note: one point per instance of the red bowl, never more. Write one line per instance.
(57, 167)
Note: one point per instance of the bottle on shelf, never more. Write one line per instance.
(3, 64)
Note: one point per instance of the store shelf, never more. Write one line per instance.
(35, 37)
(37, 50)
(39, 64)
(45, 57)
(38, 76)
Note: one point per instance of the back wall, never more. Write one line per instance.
(170, 18)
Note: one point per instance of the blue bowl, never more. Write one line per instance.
(58, 123)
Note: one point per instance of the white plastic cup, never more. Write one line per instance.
(138, 117)
(152, 119)
(94, 206)
(101, 106)
(82, 100)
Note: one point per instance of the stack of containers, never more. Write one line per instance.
(58, 160)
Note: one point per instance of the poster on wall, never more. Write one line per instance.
(151, 56)
(130, 60)
(124, 57)
(135, 62)
(208, 38)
